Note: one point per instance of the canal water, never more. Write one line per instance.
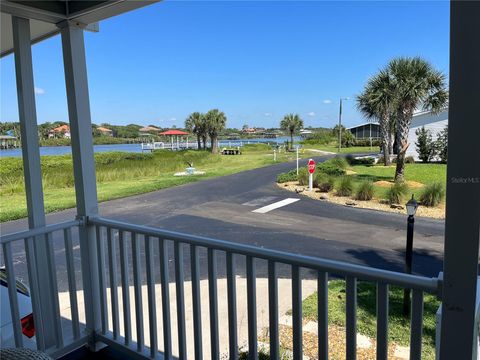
(137, 148)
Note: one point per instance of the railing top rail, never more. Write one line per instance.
(20, 235)
(331, 266)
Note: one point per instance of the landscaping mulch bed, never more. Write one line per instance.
(375, 204)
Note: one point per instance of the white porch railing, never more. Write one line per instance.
(127, 253)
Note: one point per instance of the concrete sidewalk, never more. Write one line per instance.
(284, 304)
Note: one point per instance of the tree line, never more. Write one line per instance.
(391, 97)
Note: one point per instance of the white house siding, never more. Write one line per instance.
(434, 123)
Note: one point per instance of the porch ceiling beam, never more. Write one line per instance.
(462, 228)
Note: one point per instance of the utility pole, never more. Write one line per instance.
(340, 125)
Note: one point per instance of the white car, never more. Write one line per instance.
(25, 310)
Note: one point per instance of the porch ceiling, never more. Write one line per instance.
(45, 15)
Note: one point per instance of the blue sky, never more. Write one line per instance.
(256, 61)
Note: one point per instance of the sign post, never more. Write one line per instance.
(297, 160)
(274, 155)
(311, 170)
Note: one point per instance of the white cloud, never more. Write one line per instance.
(327, 101)
(173, 119)
(39, 91)
(311, 113)
(268, 114)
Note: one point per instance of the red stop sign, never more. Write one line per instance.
(311, 166)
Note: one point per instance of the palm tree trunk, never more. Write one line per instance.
(403, 127)
(199, 144)
(384, 129)
(204, 140)
(214, 144)
(291, 139)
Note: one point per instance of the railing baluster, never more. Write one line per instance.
(112, 262)
(252, 309)
(232, 307)
(179, 278)
(152, 309)
(137, 286)
(125, 287)
(322, 306)
(54, 290)
(101, 278)
(416, 325)
(351, 322)
(34, 292)
(167, 335)
(72, 284)
(273, 310)
(213, 300)
(196, 302)
(12, 295)
(382, 321)
(297, 313)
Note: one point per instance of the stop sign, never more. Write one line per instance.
(311, 166)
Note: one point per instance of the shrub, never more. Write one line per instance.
(441, 145)
(287, 176)
(350, 158)
(397, 192)
(339, 162)
(362, 161)
(365, 191)
(345, 187)
(424, 144)
(325, 183)
(330, 169)
(432, 194)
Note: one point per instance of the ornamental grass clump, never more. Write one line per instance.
(325, 183)
(432, 194)
(365, 191)
(345, 187)
(303, 175)
(397, 192)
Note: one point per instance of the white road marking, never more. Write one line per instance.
(275, 205)
(260, 201)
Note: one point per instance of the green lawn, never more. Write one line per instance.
(122, 174)
(349, 150)
(399, 326)
(422, 173)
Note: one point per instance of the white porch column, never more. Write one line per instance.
(462, 228)
(46, 335)
(83, 164)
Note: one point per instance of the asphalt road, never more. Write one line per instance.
(222, 208)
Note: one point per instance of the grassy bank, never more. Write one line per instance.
(121, 174)
(349, 150)
(399, 326)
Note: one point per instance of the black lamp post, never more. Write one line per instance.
(411, 206)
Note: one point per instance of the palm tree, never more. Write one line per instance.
(376, 102)
(215, 121)
(416, 85)
(196, 124)
(291, 123)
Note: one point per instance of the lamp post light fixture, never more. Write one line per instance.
(411, 206)
(340, 124)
